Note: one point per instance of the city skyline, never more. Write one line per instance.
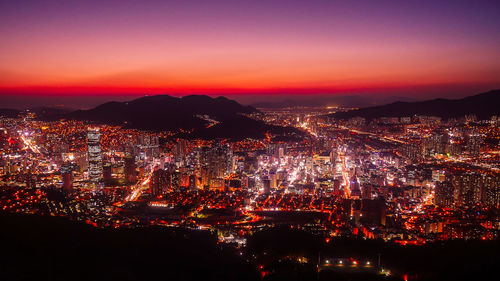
(249, 140)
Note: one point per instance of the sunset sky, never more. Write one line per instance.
(447, 48)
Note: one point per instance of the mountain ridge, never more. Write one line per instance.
(483, 105)
(167, 113)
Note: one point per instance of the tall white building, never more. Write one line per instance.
(94, 155)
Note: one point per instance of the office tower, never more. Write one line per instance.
(67, 176)
(94, 155)
(106, 173)
(130, 170)
(161, 182)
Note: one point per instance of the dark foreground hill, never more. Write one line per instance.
(482, 105)
(49, 248)
(52, 248)
(195, 113)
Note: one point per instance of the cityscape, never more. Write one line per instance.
(410, 180)
(264, 165)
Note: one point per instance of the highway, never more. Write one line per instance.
(30, 144)
(139, 188)
(374, 135)
(345, 176)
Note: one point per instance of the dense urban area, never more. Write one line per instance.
(407, 181)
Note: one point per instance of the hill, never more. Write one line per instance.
(9, 112)
(322, 101)
(206, 117)
(52, 248)
(482, 105)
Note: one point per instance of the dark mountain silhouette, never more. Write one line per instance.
(41, 112)
(45, 111)
(341, 101)
(9, 112)
(167, 113)
(53, 248)
(482, 105)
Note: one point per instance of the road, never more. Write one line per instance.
(30, 144)
(374, 135)
(345, 176)
(139, 188)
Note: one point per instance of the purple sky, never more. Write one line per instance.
(247, 48)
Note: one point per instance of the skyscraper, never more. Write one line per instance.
(474, 142)
(67, 176)
(130, 170)
(107, 173)
(161, 182)
(94, 155)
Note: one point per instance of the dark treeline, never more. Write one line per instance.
(49, 248)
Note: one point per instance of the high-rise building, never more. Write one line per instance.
(474, 142)
(444, 194)
(467, 188)
(218, 161)
(67, 176)
(413, 152)
(148, 146)
(374, 211)
(94, 155)
(107, 173)
(161, 182)
(492, 190)
(130, 170)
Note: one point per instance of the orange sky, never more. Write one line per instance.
(247, 48)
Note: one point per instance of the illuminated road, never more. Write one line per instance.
(345, 175)
(30, 144)
(139, 188)
(305, 126)
(427, 200)
(374, 135)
